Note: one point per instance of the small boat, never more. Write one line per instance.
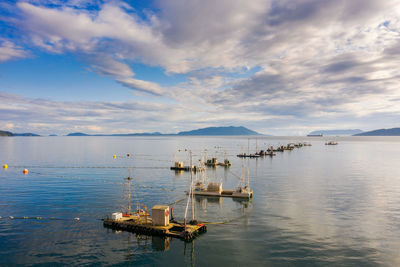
(211, 162)
(298, 145)
(268, 152)
(178, 166)
(331, 143)
(244, 155)
(226, 163)
(290, 146)
(278, 149)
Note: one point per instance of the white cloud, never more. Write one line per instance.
(9, 51)
(144, 86)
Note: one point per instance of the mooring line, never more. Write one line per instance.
(38, 218)
(88, 167)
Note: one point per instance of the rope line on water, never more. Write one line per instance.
(177, 201)
(226, 221)
(38, 218)
(88, 167)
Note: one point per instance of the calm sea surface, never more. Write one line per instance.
(319, 205)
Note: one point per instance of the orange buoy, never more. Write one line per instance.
(25, 171)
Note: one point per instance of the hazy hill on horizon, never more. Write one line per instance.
(223, 130)
(227, 130)
(381, 132)
(337, 132)
(7, 133)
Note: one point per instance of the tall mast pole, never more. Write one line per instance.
(190, 192)
(129, 191)
(256, 145)
(129, 196)
(248, 175)
(191, 184)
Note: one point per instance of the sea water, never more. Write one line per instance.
(315, 205)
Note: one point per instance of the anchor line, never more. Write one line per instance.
(88, 167)
(38, 218)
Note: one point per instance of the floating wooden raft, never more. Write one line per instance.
(248, 155)
(158, 224)
(172, 229)
(215, 190)
(185, 168)
(178, 166)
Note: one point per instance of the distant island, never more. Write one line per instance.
(381, 132)
(25, 134)
(129, 134)
(77, 134)
(6, 133)
(335, 132)
(228, 130)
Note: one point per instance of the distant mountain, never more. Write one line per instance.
(138, 134)
(336, 132)
(381, 132)
(25, 134)
(5, 133)
(229, 130)
(78, 134)
(130, 134)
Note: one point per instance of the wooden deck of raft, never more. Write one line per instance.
(173, 229)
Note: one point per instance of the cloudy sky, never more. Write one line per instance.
(281, 67)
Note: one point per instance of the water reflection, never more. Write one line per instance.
(159, 243)
(203, 201)
(178, 172)
(191, 253)
(313, 206)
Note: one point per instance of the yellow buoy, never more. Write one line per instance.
(25, 171)
(115, 156)
(5, 166)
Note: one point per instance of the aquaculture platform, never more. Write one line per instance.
(173, 229)
(215, 190)
(248, 155)
(186, 168)
(224, 193)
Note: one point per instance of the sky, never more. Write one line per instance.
(279, 67)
